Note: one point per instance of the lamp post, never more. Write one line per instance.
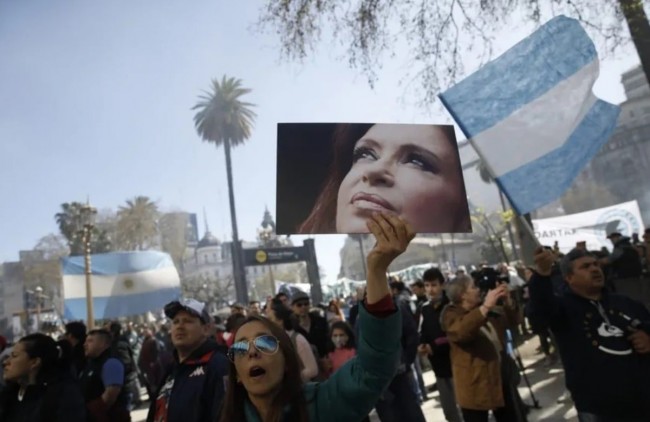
(267, 239)
(88, 214)
(38, 296)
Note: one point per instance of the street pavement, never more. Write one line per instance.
(547, 384)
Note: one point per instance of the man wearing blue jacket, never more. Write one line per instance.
(193, 386)
(603, 339)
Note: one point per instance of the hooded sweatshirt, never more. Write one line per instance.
(604, 374)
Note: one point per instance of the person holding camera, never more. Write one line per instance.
(603, 338)
(483, 372)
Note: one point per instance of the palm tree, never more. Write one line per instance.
(222, 118)
(137, 224)
(69, 221)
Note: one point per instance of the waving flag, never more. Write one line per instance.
(123, 284)
(531, 114)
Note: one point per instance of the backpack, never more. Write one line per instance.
(314, 351)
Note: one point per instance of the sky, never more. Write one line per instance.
(96, 102)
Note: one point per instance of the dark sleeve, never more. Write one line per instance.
(410, 337)
(425, 329)
(354, 311)
(639, 313)
(214, 389)
(71, 404)
(616, 254)
(545, 307)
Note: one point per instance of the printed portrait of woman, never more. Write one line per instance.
(412, 171)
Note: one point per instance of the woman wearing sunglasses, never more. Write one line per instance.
(264, 383)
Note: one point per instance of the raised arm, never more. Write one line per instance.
(351, 392)
(544, 305)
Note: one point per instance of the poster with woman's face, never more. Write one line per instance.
(333, 176)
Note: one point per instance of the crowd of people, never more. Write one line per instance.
(288, 359)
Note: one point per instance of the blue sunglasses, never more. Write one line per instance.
(266, 344)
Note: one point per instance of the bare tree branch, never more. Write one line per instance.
(434, 39)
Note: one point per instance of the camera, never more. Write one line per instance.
(487, 278)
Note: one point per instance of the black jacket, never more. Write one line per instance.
(410, 337)
(92, 387)
(192, 391)
(603, 373)
(318, 333)
(56, 401)
(625, 261)
(123, 351)
(431, 333)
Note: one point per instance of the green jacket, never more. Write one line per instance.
(352, 391)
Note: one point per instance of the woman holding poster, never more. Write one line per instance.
(412, 171)
(264, 383)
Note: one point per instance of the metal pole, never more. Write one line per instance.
(363, 256)
(272, 279)
(38, 315)
(90, 315)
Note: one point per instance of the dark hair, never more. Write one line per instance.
(322, 218)
(284, 314)
(342, 325)
(418, 283)
(290, 389)
(335, 304)
(115, 329)
(566, 264)
(54, 356)
(253, 302)
(433, 274)
(397, 285)
(277, 296)
(103, 333)
(234, 321)
(76, 329)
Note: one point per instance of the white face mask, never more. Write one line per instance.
(339, 341)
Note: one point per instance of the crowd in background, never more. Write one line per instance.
(464, 326)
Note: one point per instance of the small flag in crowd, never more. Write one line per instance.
(123, 284)
(531, 113)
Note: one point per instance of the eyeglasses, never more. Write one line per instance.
(301, 304)
(266, 344)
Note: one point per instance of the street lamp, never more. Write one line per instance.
(88, 214)
(38, 296)
(268, 238)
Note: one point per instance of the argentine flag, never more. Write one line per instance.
(123, 284)
(531, 114)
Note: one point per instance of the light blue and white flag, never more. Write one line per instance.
(531, 113)
(123, 284)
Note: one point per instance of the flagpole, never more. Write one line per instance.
(524, 223)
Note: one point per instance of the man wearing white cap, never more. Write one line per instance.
(193, 386)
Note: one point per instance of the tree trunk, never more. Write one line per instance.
(637, 22)
(241, 289)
